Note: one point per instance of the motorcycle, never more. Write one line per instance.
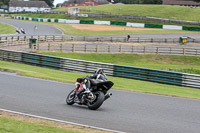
(94, 96)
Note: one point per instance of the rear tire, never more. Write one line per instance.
(70, 97)
(98, 102)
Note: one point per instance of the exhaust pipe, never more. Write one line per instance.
(107, 96)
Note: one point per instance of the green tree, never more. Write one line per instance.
(1, 3)
(49, 2)
(4, 2)
(196, 0)
(152, 1)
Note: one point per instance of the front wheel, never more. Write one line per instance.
(97, 102)
(70, 97)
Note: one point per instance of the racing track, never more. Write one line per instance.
(29, 27)
(43, 29)
(125, 111)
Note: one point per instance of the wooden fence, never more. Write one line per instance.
(96, 39)
(102, 48)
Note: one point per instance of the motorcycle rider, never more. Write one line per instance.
(98, 75)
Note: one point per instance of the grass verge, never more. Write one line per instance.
(14, 123)
(15, 126)
(120, 83)
(64, 16)
(185, 64)
(69, 30)
(160, 11)
(6, 29)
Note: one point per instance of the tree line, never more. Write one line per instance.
(137, 1)
(50, 2)
(141, 1)
(6, 2)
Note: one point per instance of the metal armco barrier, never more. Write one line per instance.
(41, 60)
(10, 56)
(166, 77)
(66, 64)
(191, 80)
(85, 66)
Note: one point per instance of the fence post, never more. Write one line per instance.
(120, 48)
(144, 50)
(25, 38)
(111, 39)
(132, 49)
(108, 48)
(38, 47)
(183, 51)
(49, 46)
(157, 50)
(73, 48)
(61, 47)
(102, 39)
(170, 50)
(85, 48)
(97, 48)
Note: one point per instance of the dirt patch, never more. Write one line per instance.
(88, 27)
(64, 126)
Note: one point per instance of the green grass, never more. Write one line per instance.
(69, 30)
(64, 16)
(160, 11)
(186, 64)
(15, 126)
(60, 9)
(60, 16)
(6, 29)
(120, 83)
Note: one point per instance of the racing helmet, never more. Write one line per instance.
(99, 71)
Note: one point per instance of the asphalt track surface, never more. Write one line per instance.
(43, 29)
(30, 28)
(125, 111)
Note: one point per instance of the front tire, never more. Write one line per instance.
(97, 102)
(70, 97)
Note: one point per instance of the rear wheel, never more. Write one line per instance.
(97, 102)
(70, 97)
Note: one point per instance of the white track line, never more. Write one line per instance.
(56, 120)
